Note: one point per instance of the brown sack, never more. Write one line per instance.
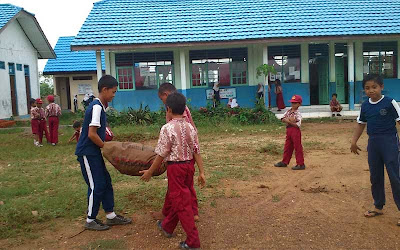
(130, 158)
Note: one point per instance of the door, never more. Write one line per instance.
(27, 88)
(68, 93)
(11, 71)
(323, 80)
(340, 81)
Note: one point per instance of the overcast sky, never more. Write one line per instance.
(56, 17)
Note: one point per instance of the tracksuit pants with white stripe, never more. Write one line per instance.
(384, 150)
(98, 179)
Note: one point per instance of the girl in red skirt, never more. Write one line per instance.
(279, 96)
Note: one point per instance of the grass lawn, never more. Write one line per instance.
(39, 185)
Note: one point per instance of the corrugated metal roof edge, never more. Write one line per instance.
(92, 72)
(230, 42)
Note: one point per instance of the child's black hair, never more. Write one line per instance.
(277, 81)
(32, 101)
(176, 102)
(334, 94)
(77, 124)
(373, 77)
(108, 82)
(166, 87)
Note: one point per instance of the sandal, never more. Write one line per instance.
(372, 213)
(398, 223)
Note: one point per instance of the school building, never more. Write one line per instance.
(22, 43)
(74, 73)
(317, 47)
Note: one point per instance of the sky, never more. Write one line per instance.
(56, 17)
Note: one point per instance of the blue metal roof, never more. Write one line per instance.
(174, 21)
(71, 61)
(7, 12)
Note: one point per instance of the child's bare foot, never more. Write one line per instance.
(197, 218)
(157, 215)
(373, 213)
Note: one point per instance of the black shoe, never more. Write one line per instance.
(280, 165)
(118, 220)
(96, 225)
(338, 115)
(168, 235)
(333, 115)
(183, 245)
(299, 167)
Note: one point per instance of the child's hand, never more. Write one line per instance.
(354, 149)
(285, 120)
(201, 180)
(292, 119)
(146, 175)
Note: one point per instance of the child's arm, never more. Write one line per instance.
(290, 122)
(94, 137)
(201, 178)
(356, 135)
(147, 174)
(72, 137)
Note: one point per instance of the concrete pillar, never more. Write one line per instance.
(267, 91)
(359, 61)
(182, 64)
(305, 74)
(107, 62)
(112, 65)
(98, 65)
(332, 62)
(350, 54)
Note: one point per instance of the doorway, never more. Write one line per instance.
(64, 92)
(341, 72)
(27, 88)
(319, 74)
(11, 71)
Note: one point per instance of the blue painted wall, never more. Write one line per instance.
(133, 99)
(290, 89)
(392, 89)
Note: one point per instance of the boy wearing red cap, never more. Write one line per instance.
(42, 122)
(292, 118)
(53, 111)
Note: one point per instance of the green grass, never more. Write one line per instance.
(105, 244)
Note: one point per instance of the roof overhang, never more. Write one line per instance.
(34, 32)
(234, 42)
(55, 73)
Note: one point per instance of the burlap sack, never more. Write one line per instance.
(130, 158)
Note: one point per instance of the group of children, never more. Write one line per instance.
(178, 145)
(39, 116)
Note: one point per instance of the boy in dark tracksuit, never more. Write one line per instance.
(91, 160)
(380, 114)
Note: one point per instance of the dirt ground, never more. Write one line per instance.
(319, 208)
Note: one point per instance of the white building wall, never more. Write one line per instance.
(16, 48)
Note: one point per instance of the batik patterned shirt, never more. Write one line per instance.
(334, 103)
(35, 113)
(178, 141)
(42, 114)
(53, 109)
(293, 113)
(187, 116)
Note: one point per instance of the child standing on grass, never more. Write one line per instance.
(35, 116)
(53, 112)
(380, 113)
(292, 118)
(93, 168)
(42, 122)
(335, 106)
(163, 92)
(178, 145)
(77, 127)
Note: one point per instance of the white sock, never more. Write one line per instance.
(89, 220)
(111, 216)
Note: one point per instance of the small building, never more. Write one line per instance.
(74, 73)
(317, 47)
(22, 43)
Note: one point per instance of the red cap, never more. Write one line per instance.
(296, 99)
(50, 98)
(39, 101)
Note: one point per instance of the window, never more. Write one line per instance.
(125, 79)
(82, 78)
(2, 65)
(380, 58)
(11, 68)
(26, 70)
(148, 70)
(228, 67)
(19, 67)
(286, 61)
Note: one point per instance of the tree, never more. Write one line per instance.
(46, 85)
(265, 70)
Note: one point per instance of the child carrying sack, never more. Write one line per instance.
(129, 158)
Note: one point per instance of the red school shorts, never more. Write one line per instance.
(35, 126)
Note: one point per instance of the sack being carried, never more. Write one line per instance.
(130, 158)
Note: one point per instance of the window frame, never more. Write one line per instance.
(2, 65)
(133, 77)
(283, 54)
(380, 48)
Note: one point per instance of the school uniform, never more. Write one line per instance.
(93, 168)
(383, 146)
(187, 116)
(53, 111)
(43, 126)
(293, 139)
(177, 143)
(35, 116)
